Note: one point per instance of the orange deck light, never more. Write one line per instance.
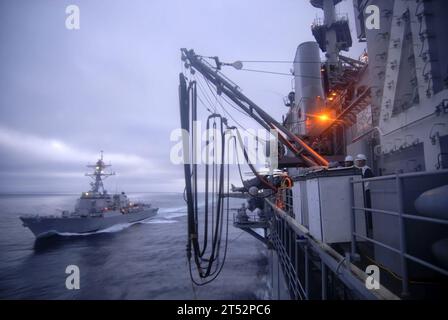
(323, 117)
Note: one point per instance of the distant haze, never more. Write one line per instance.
(112, 85)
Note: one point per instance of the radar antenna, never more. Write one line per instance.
(99, 174)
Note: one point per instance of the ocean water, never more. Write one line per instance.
(131, 261)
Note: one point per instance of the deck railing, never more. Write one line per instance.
(402, 216)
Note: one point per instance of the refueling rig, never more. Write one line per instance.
(328, 241)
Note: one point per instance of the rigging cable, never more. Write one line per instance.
(298, 151)
(218, 231)
(254, 171)
(228, 114)
(217, 227)
(218, 67)
(280, 73)
(240, 172)
(207, 260)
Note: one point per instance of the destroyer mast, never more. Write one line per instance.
(98, 175)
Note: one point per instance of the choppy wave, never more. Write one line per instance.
(174, 215)
(112, 229)
(158, 221)
(122, 226)
(174, 209)
(158, 241)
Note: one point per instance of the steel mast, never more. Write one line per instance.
(98, 174)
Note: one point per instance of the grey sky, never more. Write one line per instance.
(112, 85)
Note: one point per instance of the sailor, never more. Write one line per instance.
(348, 162)
(242, 214)
(255, 203)
(361, 163)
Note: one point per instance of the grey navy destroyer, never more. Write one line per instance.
(95, 210)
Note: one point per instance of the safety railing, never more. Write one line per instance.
(249, 219)
(287, 246)
(285, 201)
(401, 250)
(303, 260)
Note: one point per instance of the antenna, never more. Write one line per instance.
(99, 174)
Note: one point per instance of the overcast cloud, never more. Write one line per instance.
(112, 85)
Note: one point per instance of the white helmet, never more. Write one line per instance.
(253, 191)
(361, 157)
(348, 158)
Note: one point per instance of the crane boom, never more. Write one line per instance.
(223, 85)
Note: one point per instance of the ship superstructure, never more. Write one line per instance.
(391, 105)
(95, 209)
(335, 233)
